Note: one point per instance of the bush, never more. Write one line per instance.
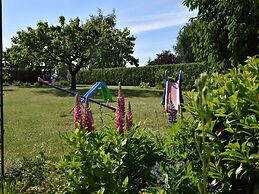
(144, 85)
(31, 175)
(62, 83)
(226, 110)
(17, 83)
(107, 161)
(26, 84)
(149, 74)
(179, 172)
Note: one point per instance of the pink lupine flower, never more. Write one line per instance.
(122, 100)
(88, 118)
(119, 119)
(129, 118)
(77, 112)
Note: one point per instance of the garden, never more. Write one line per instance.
(62, 146)
(201, 137)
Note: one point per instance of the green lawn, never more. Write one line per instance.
(34, 117)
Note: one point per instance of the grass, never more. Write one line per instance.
(35, 117)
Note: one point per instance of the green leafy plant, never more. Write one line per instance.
(179, 172)
(144, 85)
(8, 187)
(31, 175)
(105, 160)
(62, 83)
(232, 111)
(17, 83)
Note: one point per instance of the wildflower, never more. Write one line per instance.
(156, 168)
(122, 100)
(129, 118)
(155, 171)
(77, 112)
(88, 118)
(119, 121)
(160, 182)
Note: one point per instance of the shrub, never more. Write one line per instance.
(31, 175)
(26, 84)
(179, 172)
(105, 160)
(37, 84)
(149, 74)
(17, 83)
(226, 110)
(62, 83)
(144, 85)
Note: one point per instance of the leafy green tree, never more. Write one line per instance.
(183, 47)
(224, 32)
(93, 44)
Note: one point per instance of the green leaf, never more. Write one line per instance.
(125, 182)
(254, 156)
(101, 191)
(230, 172)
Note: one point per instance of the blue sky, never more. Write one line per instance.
(155, 23)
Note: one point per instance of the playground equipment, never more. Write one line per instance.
(105, 91)
(172, 92)
(83, 98)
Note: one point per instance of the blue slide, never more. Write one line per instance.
(105, 91)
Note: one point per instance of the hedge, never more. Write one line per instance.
(133, 76)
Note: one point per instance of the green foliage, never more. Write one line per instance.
(149, 74)
(107, 161)
(93, 44)
(144, 85)
(179, 173)
(62, 83)
(17, 83)
(8, 187)
(224, 33)
(228, 114)
(183, 47)
(31, 175)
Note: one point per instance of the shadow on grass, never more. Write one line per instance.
(8, 89)
(98, 94)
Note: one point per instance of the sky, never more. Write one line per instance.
(154, 23)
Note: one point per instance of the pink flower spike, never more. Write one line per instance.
(88, 118)
(77, 112)
(119, 121)
(129, 118)
(122, 101)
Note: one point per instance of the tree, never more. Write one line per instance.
(183, 47)
(224, 32)
(166, 57)
(93, 44)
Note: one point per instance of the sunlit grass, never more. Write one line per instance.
(35, 117)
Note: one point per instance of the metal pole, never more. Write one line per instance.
(1, 96)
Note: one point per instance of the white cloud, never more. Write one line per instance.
(157, 21)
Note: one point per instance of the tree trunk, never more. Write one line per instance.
(73, 80)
